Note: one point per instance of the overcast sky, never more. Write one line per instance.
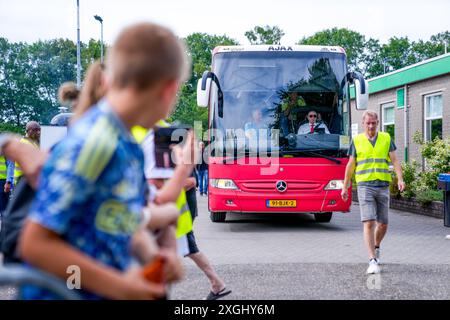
(31, 20)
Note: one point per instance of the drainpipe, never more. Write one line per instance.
(406, 125)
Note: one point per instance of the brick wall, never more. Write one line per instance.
(416, 93)
(434, 209)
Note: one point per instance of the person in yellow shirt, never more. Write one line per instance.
(289, 110)
(32, 137)
(33, 133)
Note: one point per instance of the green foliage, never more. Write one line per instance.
(393, 187)
(372, 58)
(265, 35)
(427, 196)
(187, 111)
(353, 43)
(30, 75)
(400, 52)
(437, 158)
(417, 184)
(8, 127)
(200, 46)
(410, 172)
(436, 153)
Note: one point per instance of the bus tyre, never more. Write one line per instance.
(218, 216)
(323, 217)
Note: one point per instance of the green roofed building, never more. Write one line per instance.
(414, 98)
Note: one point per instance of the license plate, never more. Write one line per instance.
(281, 203)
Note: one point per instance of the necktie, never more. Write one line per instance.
(312, 128)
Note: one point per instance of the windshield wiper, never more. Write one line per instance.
(239, 155)
(337, 161)
(247, 153)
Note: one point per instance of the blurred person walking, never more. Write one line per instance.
(202, 170)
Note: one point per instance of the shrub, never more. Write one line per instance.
(410, 174)
(427, 196)
(8, 127)
(393, 187)
(437, 157)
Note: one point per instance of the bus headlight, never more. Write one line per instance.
(223, 184)
(335, 185)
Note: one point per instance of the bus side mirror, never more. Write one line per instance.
(361, 91)
(362, 94)
(204, 88)
(203, 92)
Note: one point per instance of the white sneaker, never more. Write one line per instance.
(377, 255)
(373, 267)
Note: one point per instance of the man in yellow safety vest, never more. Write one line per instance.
(370, 155)
(6, 180)
(32, 137)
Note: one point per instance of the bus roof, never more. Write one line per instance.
(302, 48)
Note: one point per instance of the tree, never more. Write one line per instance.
(200, 46)
(52, 63)
(264, 35)
(432, 48)
(373, 63)
(16, 91)
(400, 52)
(30, 75)
(352, 41)
(372, 58)
(91, 52)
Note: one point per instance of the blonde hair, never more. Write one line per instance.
(68, 93)
(145, 54)
(369, 113)
(93, 89)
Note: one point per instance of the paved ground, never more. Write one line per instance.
(292, 257)
(264, 256)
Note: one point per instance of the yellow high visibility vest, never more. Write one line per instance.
(372, 162)
(3, 168)
(139, 133)
(17, 170)
(184, 223)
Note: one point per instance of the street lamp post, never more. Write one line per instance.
(78, 46)
(99, 19)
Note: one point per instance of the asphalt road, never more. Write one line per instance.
(290, 256)
(263, 256)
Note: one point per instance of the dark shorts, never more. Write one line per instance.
(4, 197)
(191, 243)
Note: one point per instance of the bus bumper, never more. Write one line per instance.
(245, 202)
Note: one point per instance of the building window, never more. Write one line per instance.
(433, 117)
(400, 98)
(388, 116)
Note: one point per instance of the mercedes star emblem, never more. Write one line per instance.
(281, 186)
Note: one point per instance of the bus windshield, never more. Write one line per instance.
(277, 92)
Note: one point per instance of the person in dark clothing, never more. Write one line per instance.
(195, 254)
(170, 191)
(202, 169)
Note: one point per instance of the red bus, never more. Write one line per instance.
(264, 155)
